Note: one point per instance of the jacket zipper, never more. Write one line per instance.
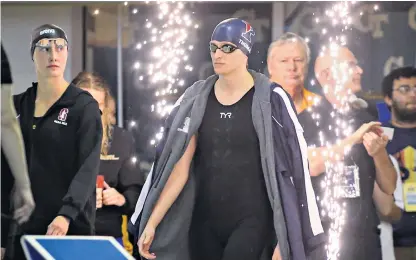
(34, 127)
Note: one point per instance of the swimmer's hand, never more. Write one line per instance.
(24, 204)
(58, 227)
(146, 240)
(276, 253)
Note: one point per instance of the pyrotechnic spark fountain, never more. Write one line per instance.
(337, 20)
(169, 49)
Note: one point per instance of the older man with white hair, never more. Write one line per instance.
(287, 61)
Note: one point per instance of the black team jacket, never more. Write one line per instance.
(63, 155)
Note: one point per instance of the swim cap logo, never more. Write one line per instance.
(245, 45)
(47, 31)
(249, 32)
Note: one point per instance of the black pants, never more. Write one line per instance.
(9, 226)
(7, 182)
(360, 248)
(15, 250)
(247, 240)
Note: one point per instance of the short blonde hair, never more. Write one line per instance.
(290, 37)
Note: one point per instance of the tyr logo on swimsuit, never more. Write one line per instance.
(225, 115)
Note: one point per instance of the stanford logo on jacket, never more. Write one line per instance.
(62, 116)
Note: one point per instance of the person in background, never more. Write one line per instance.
(122, 179)
(13, 160)
(399, 91)
(62, 133)
(288, 61)
(368, 169)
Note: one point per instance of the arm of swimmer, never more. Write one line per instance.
(174, 185)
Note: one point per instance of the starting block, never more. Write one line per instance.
(73, 247)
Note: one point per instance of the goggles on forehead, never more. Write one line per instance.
(47, 43)
(226, 48)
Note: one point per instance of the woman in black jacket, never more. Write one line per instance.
(62, 133)
(122, 179)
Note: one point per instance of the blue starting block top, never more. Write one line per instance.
(73, 247)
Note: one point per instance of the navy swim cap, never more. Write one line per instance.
(236, 31)
(46, 31)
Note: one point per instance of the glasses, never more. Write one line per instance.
(226, 48)
(406, 89)
(46, 44)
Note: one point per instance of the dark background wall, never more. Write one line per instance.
(381, 40)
